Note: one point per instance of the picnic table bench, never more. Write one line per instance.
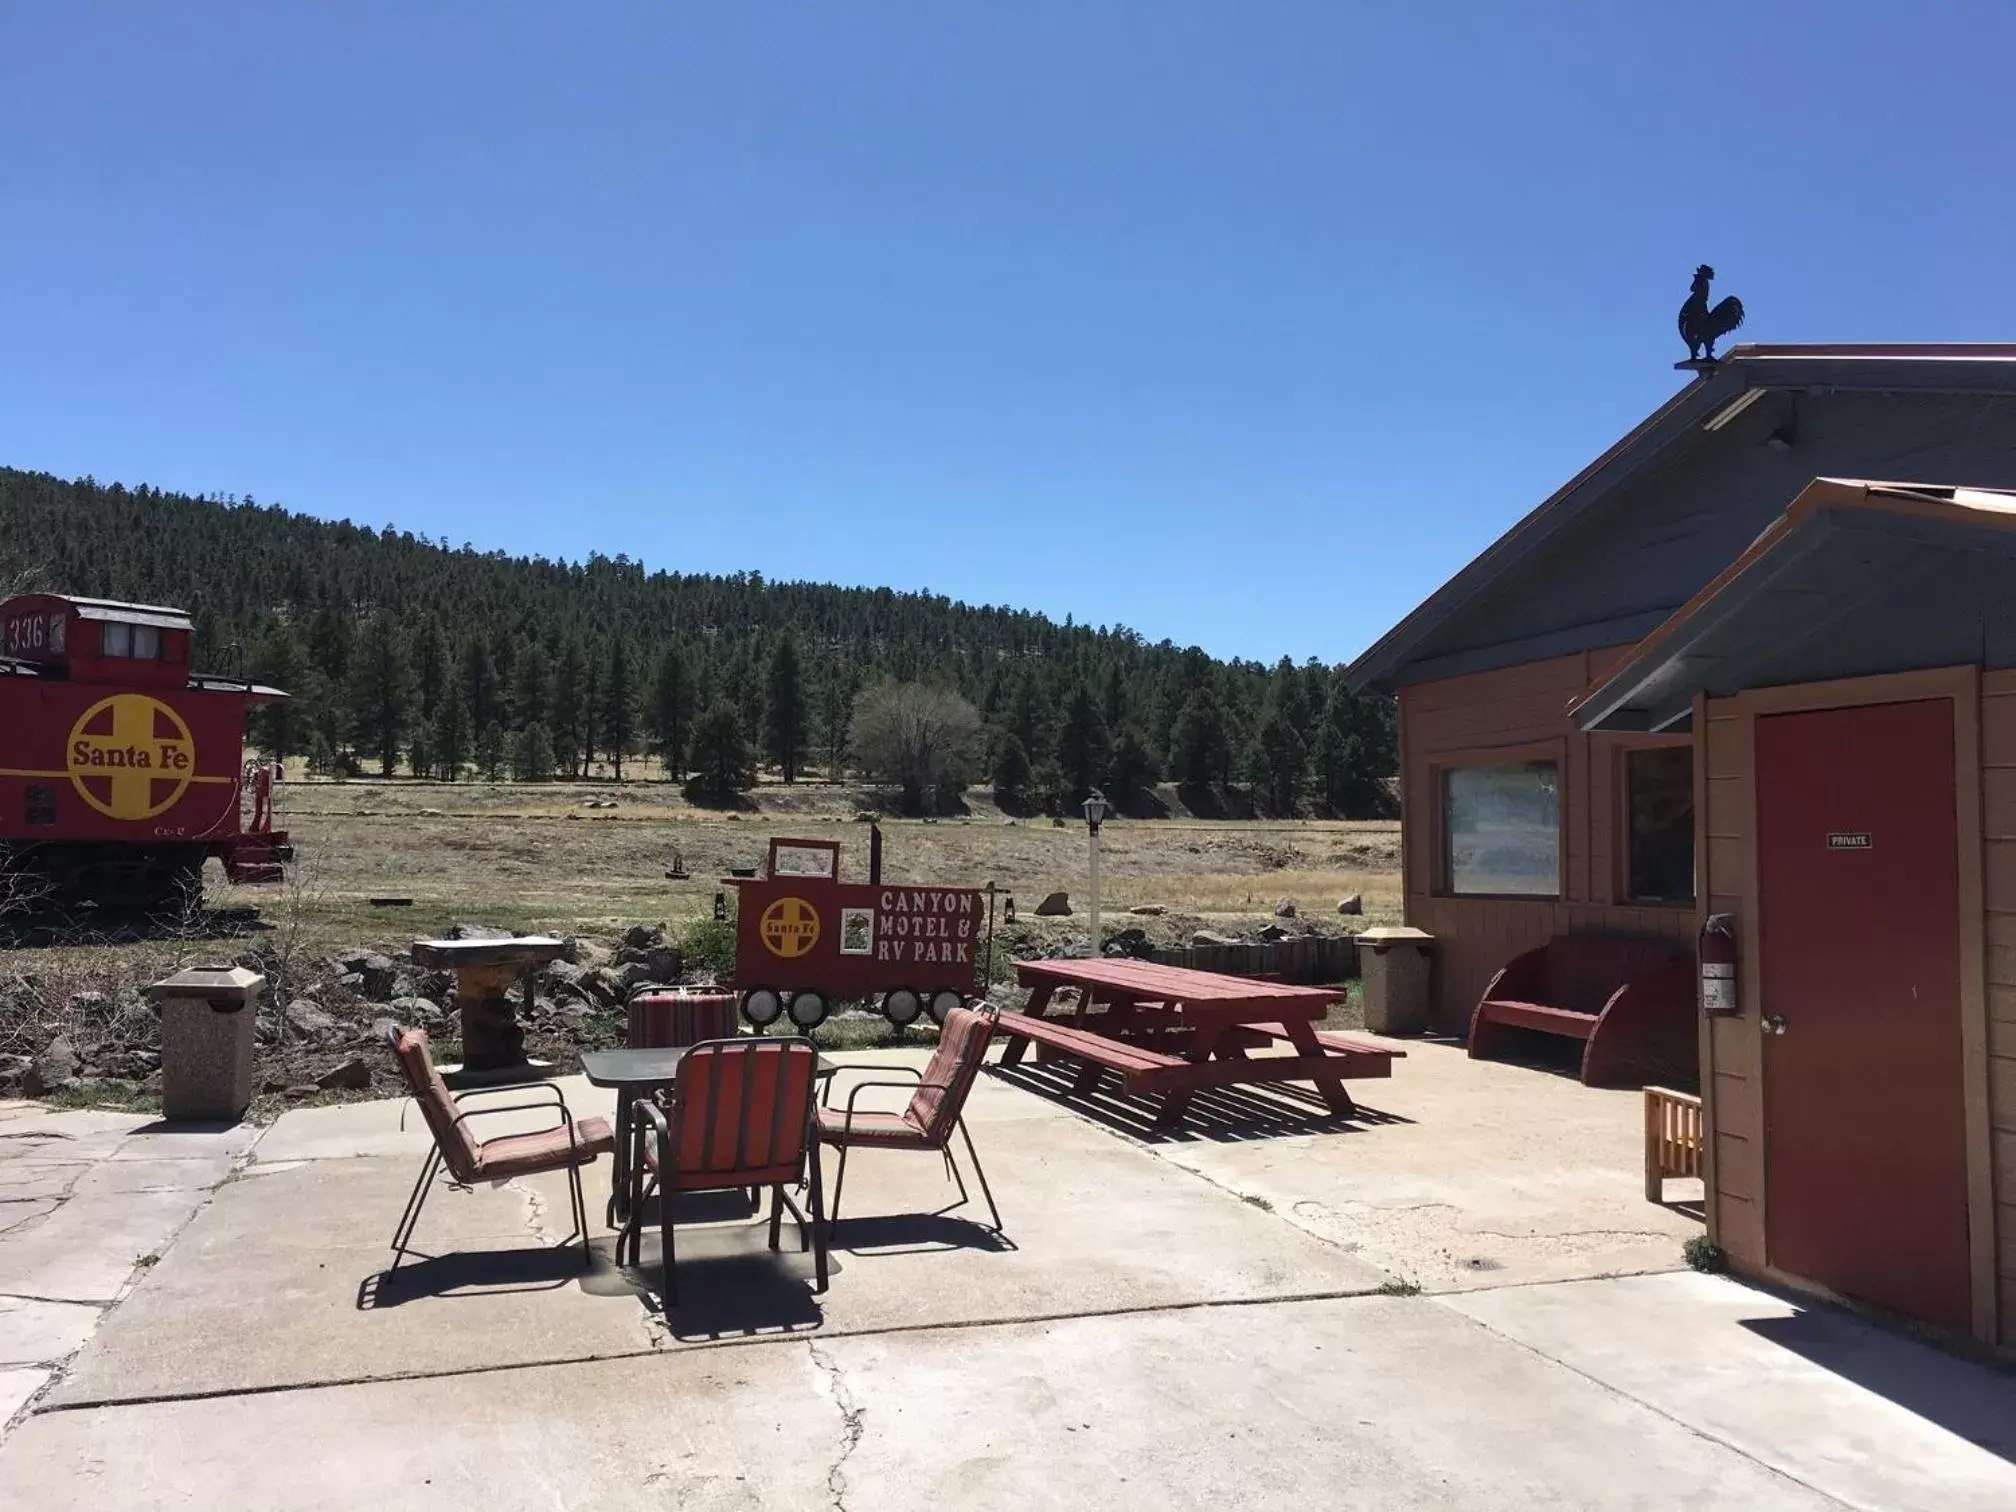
(1174, 1031)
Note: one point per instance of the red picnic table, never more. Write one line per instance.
(1171, 1030)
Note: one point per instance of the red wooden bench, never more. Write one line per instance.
(1363, 1058)
(1094, 1051)
(1630, 1001)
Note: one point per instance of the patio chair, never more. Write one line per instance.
(567, 1146)
(738, 1117)
(937, 1107)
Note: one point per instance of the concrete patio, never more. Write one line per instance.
(1223, 1318)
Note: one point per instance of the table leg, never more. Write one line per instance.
(619, 1160)
(1039, 999)
(1302, 1035)
(1175, 1103)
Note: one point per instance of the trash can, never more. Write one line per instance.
(1395, 963)
(670, 1016)
(207, 1017)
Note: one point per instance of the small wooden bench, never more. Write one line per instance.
(1672, 1139)
(1135, 1063)
(1363, 1057)
(1631, 1003)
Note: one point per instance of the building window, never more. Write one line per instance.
(142, 641)
(1501, 827)
(1659, 824)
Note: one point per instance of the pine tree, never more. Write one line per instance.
(722, 764)
(1134, 769)
(591, 710)
(381, 691)
(570, 690)
(432, 666)
(1084, 746)
(1011, 769)
(451, 735)
(282, 662)
(1277, 759)
(532, 754)
(1355, 753)
(784, 736)
(669, 709)
(479, 682)
(1199, 749)
(332, 638)
(531, 686)
(619, 701)
(491, 749)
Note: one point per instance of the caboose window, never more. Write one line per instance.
(142, 641)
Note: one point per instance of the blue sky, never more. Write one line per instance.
(1243, 325)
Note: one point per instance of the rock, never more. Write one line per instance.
(375, 973)
(606, 984)
(303, 1019)
(580, 952)
(1355, 904)
(14, 1071)
(417, 1012)
(1271, 933)
(1056, 823)
(660, 963)
(405, 985)
(273, 1084)
(306, 1089)
(1285, 909)
(1056, 906)
(352, 981)
(644, 936)
(56, 1067)
(381, 1033)
(477, 932)
(1148, 910)
(1210, 937)
(865, 816)
(353, 1075)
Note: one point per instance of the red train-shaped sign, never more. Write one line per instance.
(120, 772)
(804, 940)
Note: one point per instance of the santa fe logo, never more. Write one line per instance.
(789, 927)
(131, 756)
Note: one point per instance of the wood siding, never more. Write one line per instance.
(1459, 720)
(1733, 1092)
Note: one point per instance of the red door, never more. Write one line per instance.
(1859, 894)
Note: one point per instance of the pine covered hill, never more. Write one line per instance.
(404, 653)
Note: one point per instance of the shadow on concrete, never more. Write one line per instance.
(916, 1234)
(473, 1273)
(1974, 1400)
(188, 1126)
(1224, 1115)
(750, 1294)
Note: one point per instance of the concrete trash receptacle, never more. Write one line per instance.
(208, 1014)
(1395, 963)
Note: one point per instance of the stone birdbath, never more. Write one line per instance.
(493, 1041)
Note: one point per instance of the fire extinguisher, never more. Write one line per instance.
(1717, 951)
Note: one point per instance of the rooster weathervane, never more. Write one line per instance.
(1701, 326)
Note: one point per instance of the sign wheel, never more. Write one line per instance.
(762, 1006)
(943, 1001)
(902, 1005)
(808, 1009)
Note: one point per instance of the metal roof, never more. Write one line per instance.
(1854, 579)
(1925, 367)
(132, 614)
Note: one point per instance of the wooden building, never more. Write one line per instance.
(1850, 680)
(1521, 824)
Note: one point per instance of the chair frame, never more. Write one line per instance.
(811, 1235)
(417, 1198)
(943, 1146)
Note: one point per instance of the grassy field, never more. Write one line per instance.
(533, 856)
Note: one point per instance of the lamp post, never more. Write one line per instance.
(1096, 810)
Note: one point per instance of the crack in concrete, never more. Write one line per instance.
(851, 1425)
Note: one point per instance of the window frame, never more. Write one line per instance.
(124, 630)
(1622, 747)
(1444, 762)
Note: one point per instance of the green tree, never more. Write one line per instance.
(570, 688)
(479, 682)
(916, 736)
(532, 754)
(1200, 752)
(1134, 769)
(1084, 745)
(491, 750)
(280, 725)
(433, 667)
(451, 735)
(669, 708)
(531, 686)
(1355, 754)
(619, 701)
(784, 734)
(381, 691)
(1277, 760)
(722, 765)
(1011, 769)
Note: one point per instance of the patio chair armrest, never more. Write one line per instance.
(864, 1066)
(859, 1087)
(524, 1086)
(468, 1113)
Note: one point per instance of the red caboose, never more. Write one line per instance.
(804, 938)
(120, 772)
